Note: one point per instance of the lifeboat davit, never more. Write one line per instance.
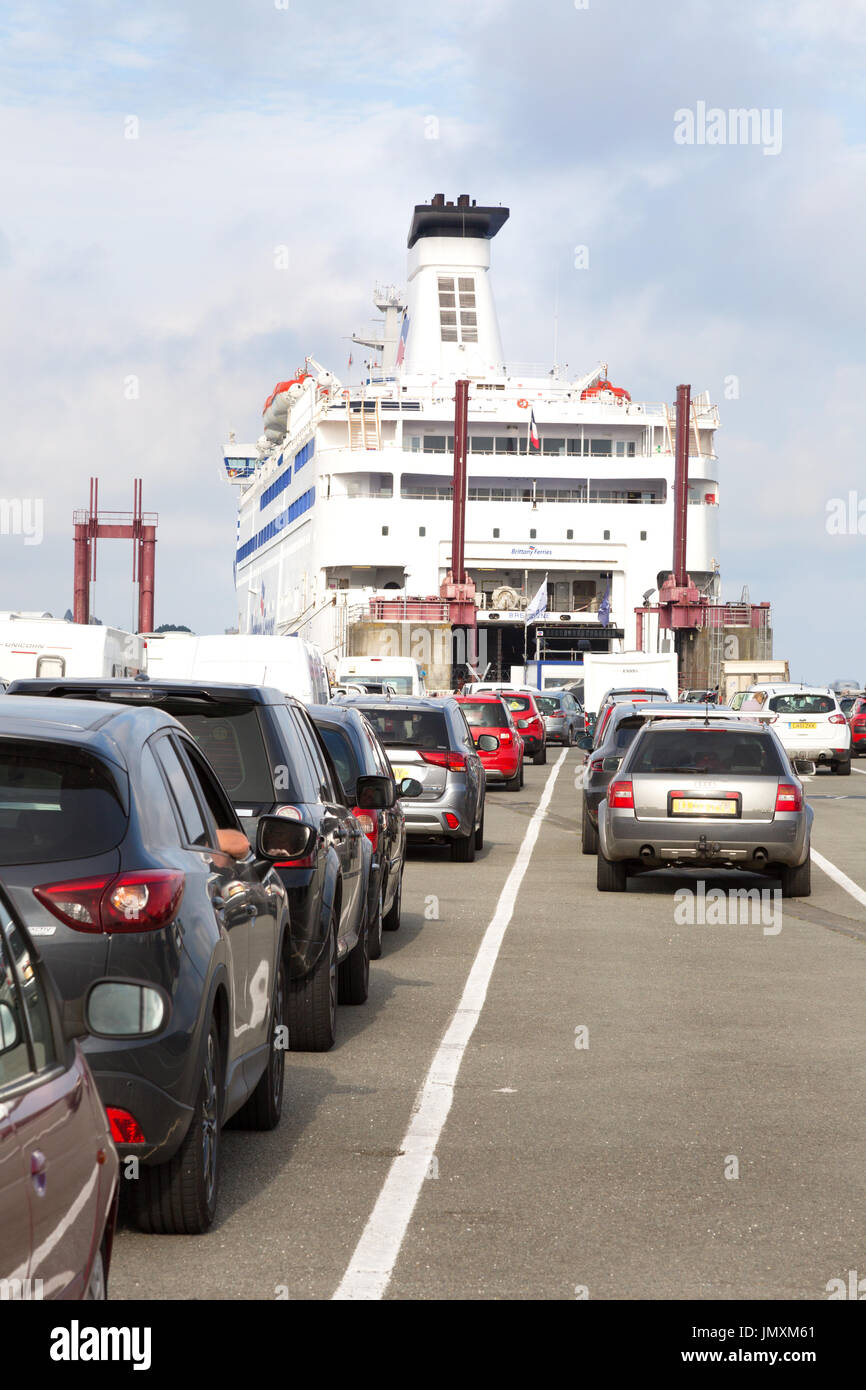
(604, 391)
(275, 414)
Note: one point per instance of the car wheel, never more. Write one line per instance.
(588, 834)
(391, 920)
(179, 1197)
(513, 784)
(540, 758)
(570, 740)
(96, 1290)
(797, 880)
(353, 974)
(843, 769)
(611, 875)
(521, 772)
(463, 849)
(313, 1001)
(264, 1107)
(375, 928)
(479, 834)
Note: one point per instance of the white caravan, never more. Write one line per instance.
(46, 646)
(290, 664)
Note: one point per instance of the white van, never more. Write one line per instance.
(289, 663)
(405, 675)
(53, 647)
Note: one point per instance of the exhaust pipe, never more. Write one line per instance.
(761, 856)
(647, 852)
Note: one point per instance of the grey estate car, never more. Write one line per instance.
(437, 765)
(698, 794)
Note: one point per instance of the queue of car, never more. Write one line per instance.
(194, 875)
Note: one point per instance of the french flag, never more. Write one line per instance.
(404, 334)
(534, 441)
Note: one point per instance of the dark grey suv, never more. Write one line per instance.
(429, 742)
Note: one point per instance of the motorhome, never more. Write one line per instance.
(45, 646)
(402, 672)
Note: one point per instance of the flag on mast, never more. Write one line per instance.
(604, 607)
(404, 334)
(534, 442)
(538, 604)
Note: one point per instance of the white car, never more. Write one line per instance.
(808, 720)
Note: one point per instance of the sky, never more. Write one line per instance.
(154, 157)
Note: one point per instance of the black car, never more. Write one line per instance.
(270, 759)
(124, 857)
(356, 752)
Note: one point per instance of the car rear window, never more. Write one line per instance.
(401, 728)
(56, 805)
(707, 751)
(485, 714)
(547, 704)
(232, 740)
(802, 704)
(518, 702)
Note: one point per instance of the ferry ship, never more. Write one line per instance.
(344, 519)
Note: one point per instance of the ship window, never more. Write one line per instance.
(506, 446)
(553, 446)
(467, 301)
(481, 443)
(438, 443)
(447, 301)
(465, 283)
(496, 533)
(447, 317)
(384, 530)
(569, 535)
(607, 535)
(449, 335)
(575, 446)
(533, 533)
(446, 282)
(601, 448)
(468, 317)
(643, 535)
(422, 530)
(470, 335)
(620, 448)
(414, 443)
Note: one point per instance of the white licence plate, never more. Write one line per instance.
(686, 806)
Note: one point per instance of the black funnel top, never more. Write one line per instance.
(463, 218)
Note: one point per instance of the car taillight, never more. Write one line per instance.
(837, 719)
(788, 797)
(858, 721)
(125, 1128)
(455, 762)
(140, 901)
(596, 764)
(369, 823)
(556, 716)
(621, 794)
(451, 820)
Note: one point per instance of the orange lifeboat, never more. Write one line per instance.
(276, 408)
(604, 390)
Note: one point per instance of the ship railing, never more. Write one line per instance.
(385, 610)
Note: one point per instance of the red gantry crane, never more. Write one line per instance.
(136, 526)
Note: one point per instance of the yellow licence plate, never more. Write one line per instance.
(803, 725)
(401, 772)
(684, 806)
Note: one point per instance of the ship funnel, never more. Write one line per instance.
(449, 328)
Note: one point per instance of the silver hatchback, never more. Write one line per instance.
(702, 795)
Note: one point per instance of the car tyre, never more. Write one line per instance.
(463, 848)
(513, 784)
(264, 1107)
(179, 1197)
(521, 772)
(611, 874)
(97, 1289)
(843, 769)
(540, 758)
(797, 879)
(353, 973)
(391, 920)
(588, 834)
(374, 931)
(479, 834)
(313, 1001)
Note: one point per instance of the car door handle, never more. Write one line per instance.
(37, 1172)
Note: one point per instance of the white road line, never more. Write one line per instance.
(860, 770)
(372, 1264)
(838, 877)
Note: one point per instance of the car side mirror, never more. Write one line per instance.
(410, 786)
(805, 767)
(610, 764)
(375, 793)
(488, 743)
(125, 1009)
(10, 1033)
(279, 838)
(585, 742)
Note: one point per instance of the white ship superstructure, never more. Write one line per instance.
(345, 508)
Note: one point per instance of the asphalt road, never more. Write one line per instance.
(703, 1140)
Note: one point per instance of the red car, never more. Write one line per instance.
(857, 721)
(530, 724)
(487, 714)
